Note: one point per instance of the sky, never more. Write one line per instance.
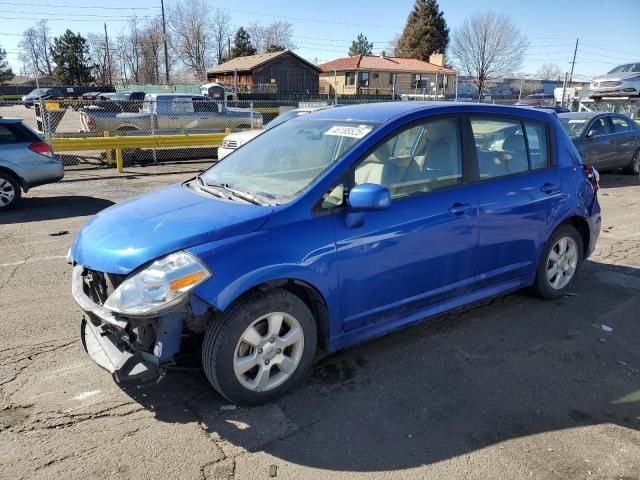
(607, 30)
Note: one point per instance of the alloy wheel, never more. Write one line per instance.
(562, 262)
(268, 352)
(7, 192)
(635, 164)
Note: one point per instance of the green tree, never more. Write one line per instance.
(6, 73)
(242, 45)
(425, 33)
(70, 53)
(360, 46)
(275, 48)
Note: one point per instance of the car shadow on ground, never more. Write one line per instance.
(618, 179)
(37, 209)
(511, 367)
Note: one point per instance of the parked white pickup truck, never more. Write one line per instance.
(172, 113)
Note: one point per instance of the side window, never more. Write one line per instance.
(538, 145)
(182, 105)
(600, 126)
(419, 159)
(14, 133)
(349, 78)
(500, 146)
(620, 125)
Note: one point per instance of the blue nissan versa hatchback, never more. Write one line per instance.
(330, 229)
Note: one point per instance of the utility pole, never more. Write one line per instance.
(573, 62)
(164, 38)
(106, 44)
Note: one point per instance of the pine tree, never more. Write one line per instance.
(6, 73)
(242, 45)
(425, 33)
(360, 46)
(70, 54)
(275, 48)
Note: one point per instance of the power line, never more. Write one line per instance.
(75, 6)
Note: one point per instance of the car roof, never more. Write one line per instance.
(175, 95)
(386, 111)
(10, 120)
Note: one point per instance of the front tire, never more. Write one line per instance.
(559, 263)
(260, 348)
(10, 191)
(634, 166)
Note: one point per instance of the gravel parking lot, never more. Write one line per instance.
(513, 388)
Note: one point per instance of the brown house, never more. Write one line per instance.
(382, 75)
(279, 72)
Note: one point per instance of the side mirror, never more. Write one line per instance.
(592, 133)
(369, 197)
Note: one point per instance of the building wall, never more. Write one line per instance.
(291, 75)
(380, 84)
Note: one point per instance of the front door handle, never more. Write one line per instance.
(460, 208)
(550, 188)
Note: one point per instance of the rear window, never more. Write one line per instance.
(15, 133)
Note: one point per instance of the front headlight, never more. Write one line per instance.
(160, 286)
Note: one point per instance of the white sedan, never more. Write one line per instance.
(237, 139)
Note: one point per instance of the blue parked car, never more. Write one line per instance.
(330, 229)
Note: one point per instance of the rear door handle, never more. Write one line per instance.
(550, 188)
(460, 208)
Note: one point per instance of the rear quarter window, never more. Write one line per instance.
(15, 133)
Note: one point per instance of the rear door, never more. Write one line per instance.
(624, 136)
(518, 186)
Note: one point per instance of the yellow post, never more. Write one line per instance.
(108, 153)
(119, 160)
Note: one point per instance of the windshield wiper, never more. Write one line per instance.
(246, 196)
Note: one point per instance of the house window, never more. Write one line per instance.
(419, 80)
(350, 78)
(363, 79)
(392, 78)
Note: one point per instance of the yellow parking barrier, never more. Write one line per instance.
(120, 143)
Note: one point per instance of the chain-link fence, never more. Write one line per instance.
(158, 115)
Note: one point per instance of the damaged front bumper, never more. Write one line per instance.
(129, 348)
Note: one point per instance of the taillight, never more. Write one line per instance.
(593, 176)
(91, 123)
(42, 148)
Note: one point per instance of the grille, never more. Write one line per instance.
(98, 285)
(610, 84)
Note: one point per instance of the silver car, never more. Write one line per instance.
(26, 161)
(622, 81)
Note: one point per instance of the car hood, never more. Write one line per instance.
(125, 236)
(243, 136)
(616, 76)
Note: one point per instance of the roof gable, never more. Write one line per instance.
(251, 62)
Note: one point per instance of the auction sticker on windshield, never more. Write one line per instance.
(344, 131)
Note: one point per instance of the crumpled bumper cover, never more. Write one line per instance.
(104, 337)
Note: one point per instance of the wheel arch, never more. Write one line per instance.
(581, 225)
(306, 292)
(18, 178)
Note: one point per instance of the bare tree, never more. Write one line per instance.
(279, 33)
(150, 46)
(99, 58)
(488, 46)
(221, 30)
(191, 27)
(549, 71)
(35, 49)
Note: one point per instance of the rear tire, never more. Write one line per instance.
(10, 191)
(559, 263)
(634, 166)
(260, 348)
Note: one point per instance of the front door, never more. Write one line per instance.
(518, 187)
(420, 251)
(598, 149)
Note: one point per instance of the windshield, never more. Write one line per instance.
(38, 91)
(628, 68)
(279, 164)
(121, 96)
(573, 126)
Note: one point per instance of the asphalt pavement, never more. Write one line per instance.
(511, 388)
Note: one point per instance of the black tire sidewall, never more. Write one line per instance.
(220, 341)
(16, 187)
(542, 286)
